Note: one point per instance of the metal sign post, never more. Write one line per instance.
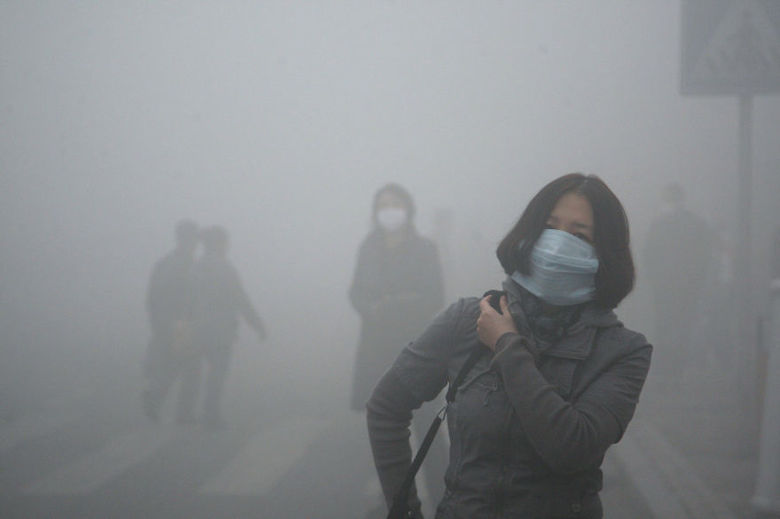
(746, 314)
(733, 48)
(767, 494)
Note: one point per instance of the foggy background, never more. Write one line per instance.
(279, 120)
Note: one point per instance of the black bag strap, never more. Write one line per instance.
(400, 501)
(400, 508)
(472, 359)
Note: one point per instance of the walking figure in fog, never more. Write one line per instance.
(220, 302)
(677, 258)
(169, 299)
(397, 289)
(557, 377)
(774, 265)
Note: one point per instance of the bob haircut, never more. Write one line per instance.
(186, 232)
(399, 192)
(615, 276)
(215, 239)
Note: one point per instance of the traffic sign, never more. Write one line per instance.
(730, 47)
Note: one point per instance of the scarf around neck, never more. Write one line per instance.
(547, 327)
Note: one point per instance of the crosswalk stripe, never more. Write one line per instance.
(650, 483)
(667, 481)
(31, 426)
(266, 458)
(56, 413)
(87, 474)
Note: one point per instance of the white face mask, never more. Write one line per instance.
(563, 269)
(391, 218)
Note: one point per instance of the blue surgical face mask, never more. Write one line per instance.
(563, 269)
(391, 218)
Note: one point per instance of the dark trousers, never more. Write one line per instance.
(216, 353)
(218, 362)
(162, 367)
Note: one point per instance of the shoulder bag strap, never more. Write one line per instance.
(400, 506)
(400, 509)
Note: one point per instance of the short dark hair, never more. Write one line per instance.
(186, 232)
(674, 194)
(215, 238)
(615, 276)
(401, 193)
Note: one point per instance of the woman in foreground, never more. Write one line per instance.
(560, 379)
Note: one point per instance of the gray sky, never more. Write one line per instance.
(280, 119)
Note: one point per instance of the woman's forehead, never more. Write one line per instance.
(573, 203)
(388, 197)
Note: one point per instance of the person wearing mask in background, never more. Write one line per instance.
(397, 288)
(169, 306)
(220, 301)
(558, 379)
(678, 259)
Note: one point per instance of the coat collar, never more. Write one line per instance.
(578, 343)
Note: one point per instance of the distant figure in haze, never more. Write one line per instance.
(169, 305)
(678, 256)
(220, 301)
(397, 288)
(775, 266)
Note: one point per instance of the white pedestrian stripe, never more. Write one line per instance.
(87, 474)
(56, 413)
(266, 458)
(32, 426)
(665, 478)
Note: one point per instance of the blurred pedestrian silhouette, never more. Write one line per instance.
(169, 301)
(397, 289)
(678, 260)
(775, 255)
(220, 302)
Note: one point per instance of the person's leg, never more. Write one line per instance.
(218, 367)
(188, 388)
(159, 369)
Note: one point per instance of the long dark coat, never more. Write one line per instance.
(169, 299)
(396, 291)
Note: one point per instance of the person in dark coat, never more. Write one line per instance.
(397, 288)
(558, 379)
(169, 307)
(220, 303)
(678, 259)
(775, 261)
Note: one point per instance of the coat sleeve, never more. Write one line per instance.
(432, 282)
(572, 436)
(155, 300)
(419, 374)
(245, 306)
(389, 413)
(362, 292)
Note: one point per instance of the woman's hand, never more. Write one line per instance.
(491, 325)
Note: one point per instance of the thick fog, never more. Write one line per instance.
(279, 121)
